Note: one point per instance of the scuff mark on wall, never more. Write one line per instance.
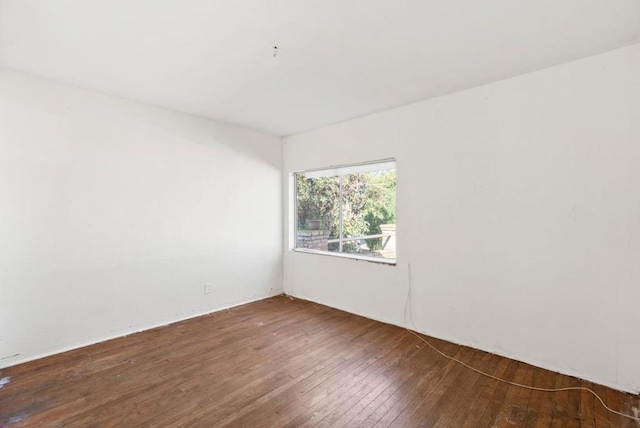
(9, 356)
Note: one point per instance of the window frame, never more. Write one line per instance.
(340, 239)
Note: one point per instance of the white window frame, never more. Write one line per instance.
(337, 171)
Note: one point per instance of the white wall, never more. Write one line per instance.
(113, 216)
(518, 214)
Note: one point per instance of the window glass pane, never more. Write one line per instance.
(317, 202)
(369, 213)
(348, 209)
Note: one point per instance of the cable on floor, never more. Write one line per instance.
(533, 388)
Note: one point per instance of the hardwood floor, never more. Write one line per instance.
(283, 362)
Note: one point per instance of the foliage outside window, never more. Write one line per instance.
(349, 209)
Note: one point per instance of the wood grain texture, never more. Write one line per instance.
(291, 363)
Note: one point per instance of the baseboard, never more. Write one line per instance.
(129, 331)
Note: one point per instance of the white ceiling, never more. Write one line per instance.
(338, 59)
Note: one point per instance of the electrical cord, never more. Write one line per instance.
(533, 388)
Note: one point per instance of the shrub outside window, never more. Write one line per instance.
(348, 210)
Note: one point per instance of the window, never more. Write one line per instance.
(348, 210)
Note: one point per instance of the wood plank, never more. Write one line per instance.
(472, 400)
(449, 387)
(284, 362)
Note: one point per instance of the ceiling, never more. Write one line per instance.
(337, 59)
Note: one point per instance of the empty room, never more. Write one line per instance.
(298, 213)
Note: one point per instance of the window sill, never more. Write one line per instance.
(390, 262)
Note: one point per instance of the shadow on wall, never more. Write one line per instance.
(245, 142)
(71, 102)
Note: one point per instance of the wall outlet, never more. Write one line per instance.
(207, 288)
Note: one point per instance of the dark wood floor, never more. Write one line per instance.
(282, 362)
